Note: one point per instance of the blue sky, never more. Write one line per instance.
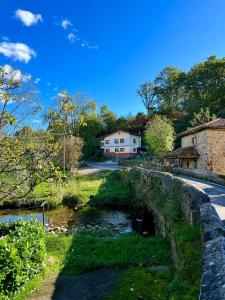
(107, 48)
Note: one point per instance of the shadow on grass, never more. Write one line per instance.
(95, 260)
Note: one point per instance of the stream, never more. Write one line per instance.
(64, 216)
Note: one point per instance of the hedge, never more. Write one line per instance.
(22, 253)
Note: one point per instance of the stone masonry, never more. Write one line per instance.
(196, 208)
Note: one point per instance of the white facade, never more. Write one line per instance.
(120, 143)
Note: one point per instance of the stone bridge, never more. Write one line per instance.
(196, 209)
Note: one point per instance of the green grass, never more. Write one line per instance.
(84, 186)
(106, 188)
(112, 191)
(91, 250)
(141, 283)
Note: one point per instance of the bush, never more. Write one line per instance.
(71, 200)
(22, 252)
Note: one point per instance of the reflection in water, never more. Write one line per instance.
(121, 220)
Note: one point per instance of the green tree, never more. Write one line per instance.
(108, 119)
(23, 165)
(159, 135)
(73, 148)
(202, 117)
(148, 96)
(205, 87)
(170, 91)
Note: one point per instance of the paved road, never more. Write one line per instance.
(215, 192)
(93, 168)
(108, 165)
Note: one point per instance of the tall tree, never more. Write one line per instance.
(23, 165)
(108, 119)
(169, 89)
(205, 87)
(147, 94)
(63, 122)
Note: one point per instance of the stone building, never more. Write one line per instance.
(202, 148)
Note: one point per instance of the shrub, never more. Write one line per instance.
(71, 199)
(22, 252)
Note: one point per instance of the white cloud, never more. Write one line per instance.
(72, 37)
(37, 80)
(16, 74)
(85, 44)
(27, 17)
(66, 23)
(17, 51)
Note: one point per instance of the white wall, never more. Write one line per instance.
(128, 143)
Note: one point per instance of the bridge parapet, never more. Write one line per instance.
(195, 209)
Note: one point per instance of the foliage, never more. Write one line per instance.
(168, 90)
(108, 119)
(189, 251)
(202, 117)
(24, 163)
(25, 167)
(147, 93)
(186, 239)
(73, 152)
(159, 135)
(22, 252)
(182, 94)
(90, 135)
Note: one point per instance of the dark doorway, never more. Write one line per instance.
(144, 223)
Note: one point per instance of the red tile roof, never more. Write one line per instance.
(215, 124)
(185, 152)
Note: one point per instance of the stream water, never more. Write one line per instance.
(121, 220)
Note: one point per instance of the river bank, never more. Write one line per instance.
(104, 185)
(141, 265)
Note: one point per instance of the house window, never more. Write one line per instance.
(117, 149)
(134, 149)
(116, 141)
(107, 150)
(107, 142)
(122, 149)
(194, 141)
(121, 141)
(134, 141)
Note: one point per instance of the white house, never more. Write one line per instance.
(121, 144)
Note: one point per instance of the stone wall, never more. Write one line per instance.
(216, 150)
(201, 146)
(195, 209)
(211, 147)
(200, 174)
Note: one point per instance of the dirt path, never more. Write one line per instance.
(89, 286)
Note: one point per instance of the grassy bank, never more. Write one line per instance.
(146, 264)
(91, 250)
(104, 188)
